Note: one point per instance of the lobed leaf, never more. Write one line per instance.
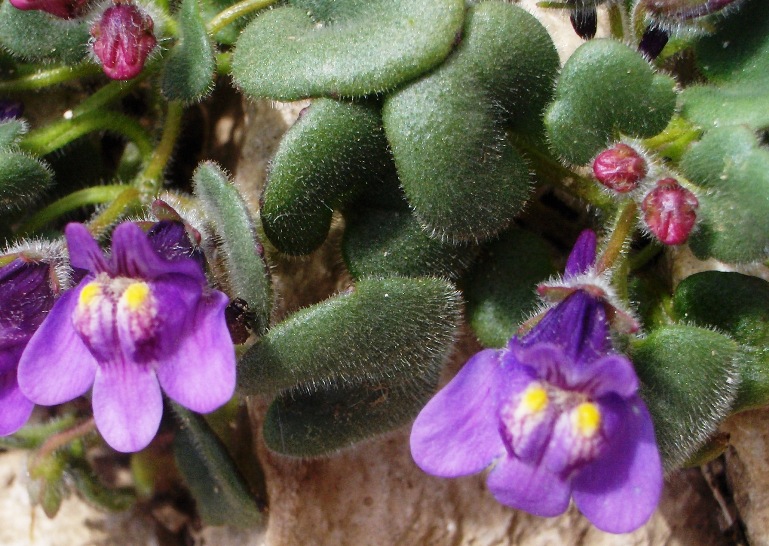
(500, 289)
(38, 37)
(345, 48)
(381, 330)
(387, 243)
(690, 378)
(221, 494)
(732, 172)
(323, 161)
(247, 273)
(462, 177)
(188, 73)
(322, 422)
(738, 305)
(606, 89)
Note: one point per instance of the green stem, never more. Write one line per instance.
(113, 91)
(675, 139)
(645, 255)
(224, 63)
(49, 77)
(150, 181)
(60, 440)
(81, 198)
(227, 16)
(623, 228)
(47, 139)
(101, 223)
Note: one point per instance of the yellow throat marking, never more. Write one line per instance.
(136, 294)
(587, 419)
(90, 292)
(534, 399)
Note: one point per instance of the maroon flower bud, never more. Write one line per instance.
(670, 211)
(620, 168)
(123, 39)
(584, 21)
(653, 41)
(10, 109)
(64, 9)
(684, 9)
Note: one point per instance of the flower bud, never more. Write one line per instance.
(64, 9)
(653, 41)
(10, 109)
(670, 211)
(122, 40)
(584, 21)
(620, 168)
(683, 10)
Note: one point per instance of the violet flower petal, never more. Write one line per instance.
(133, 256)
(84, 252)
(529, 487)
(15, 408)
(578, 325)
(619, 491)
(127, 405)
(582, 256)
(200, 374)
(456, 433)
(612, 373)
(57, 366)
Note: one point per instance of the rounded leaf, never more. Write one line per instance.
(349, 48)
(606, 89)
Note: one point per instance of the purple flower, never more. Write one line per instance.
(136, 322)
(556, 413)
(26, 295)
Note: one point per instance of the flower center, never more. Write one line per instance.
(114, 314)
(545, 420)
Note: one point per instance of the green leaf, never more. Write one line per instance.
(319, 423)
(382, 329)
(348, 48)
(388, 243)
(462, 177)
(732, 172)
(689, 378)
(736, 61)
(738, 305)
(189, 71)
(23, 179)
(500, 289)
(37, 36)
(323, 161)
(11, 131)
(606, 89)
(221, 495)
(247, 273)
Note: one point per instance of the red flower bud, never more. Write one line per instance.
(620, 168)
(670, 211)
(123, 39)
(684, 9)
(64, 9)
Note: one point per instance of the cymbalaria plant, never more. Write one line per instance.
(446, 158)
